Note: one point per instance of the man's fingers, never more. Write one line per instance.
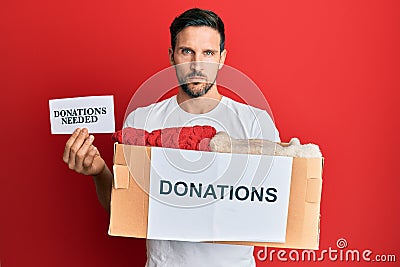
(91, 154)
(83, 150)
(79, 140)
(69, 143)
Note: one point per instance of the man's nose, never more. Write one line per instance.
(196, 64)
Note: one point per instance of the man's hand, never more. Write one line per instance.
(80, 154)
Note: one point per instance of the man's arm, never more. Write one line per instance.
(103, 182)
(83, 157)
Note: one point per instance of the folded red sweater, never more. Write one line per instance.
(192, 138)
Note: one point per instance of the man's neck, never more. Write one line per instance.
(201, 104)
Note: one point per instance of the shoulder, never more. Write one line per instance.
(162, 105)
(242, 109)
(259, 122)
(153, 110)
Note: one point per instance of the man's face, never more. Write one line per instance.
(197, 59)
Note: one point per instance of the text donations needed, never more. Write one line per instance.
(80, 115)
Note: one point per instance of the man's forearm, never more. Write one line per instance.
(103, 182)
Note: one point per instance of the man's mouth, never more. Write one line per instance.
(196, 79)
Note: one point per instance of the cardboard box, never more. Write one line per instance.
(130, 202)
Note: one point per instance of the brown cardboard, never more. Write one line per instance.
(129, 200)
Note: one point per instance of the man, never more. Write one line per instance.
(197, 52)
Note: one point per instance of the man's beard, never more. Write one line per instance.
(195, 89)
(196, 92)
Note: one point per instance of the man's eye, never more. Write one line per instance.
(186, 51)
(209, 53)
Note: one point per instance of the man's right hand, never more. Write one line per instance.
(80, 154)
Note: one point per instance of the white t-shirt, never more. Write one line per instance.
(240, 121)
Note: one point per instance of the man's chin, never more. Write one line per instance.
(197, 86)
(196, 89)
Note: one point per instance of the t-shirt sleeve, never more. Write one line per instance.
(130, 120)
(263, 127)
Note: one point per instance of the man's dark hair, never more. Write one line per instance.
(197, 17)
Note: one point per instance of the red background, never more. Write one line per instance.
(329, 69)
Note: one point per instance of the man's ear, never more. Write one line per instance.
(222, 59)
(171, 56)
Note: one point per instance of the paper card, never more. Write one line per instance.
(204, 196)
(93, 112)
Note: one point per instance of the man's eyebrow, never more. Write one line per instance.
(184, 47)
(212, 50)
(204, 50)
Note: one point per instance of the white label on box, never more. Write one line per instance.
(93, 112)
(206, 196)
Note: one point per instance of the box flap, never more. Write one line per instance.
(119, 157)
(314, 167)
(129, 207)
(314, 180)
(314, 188)
(121, 176)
